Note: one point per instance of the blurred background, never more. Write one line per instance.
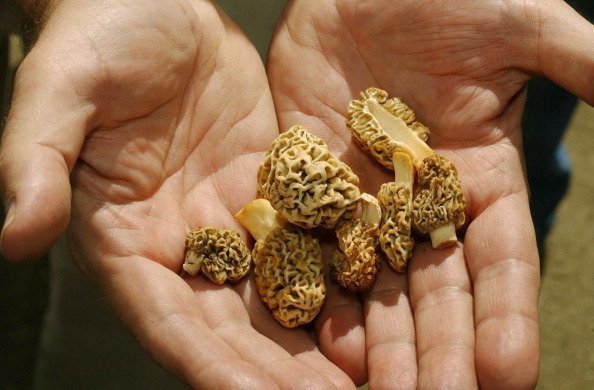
(567, 294)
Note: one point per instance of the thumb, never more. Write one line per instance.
(563, 43)
(44, 132)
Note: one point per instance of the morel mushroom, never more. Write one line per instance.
(220, 254)
(354, 264)
(305, 183)
(383, 126)
(383, 130)
(289, 269)
(395, 200)
(438, 198)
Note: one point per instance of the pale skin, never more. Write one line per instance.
(151, 119)
(161, 113)
(467, 316)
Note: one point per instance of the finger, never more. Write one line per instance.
(297, 342)
(390, 333)
(562, 46)
(226, 315)
(503, 262)
(440, 293)
(43, 135)
(341, 333)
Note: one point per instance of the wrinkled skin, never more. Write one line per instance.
(151, 117)
(161, 111)
(462, 67)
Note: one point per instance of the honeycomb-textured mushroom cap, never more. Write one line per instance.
(354, 264)
(290, 275)
(220, 254)
(439, 199)
(376, 137)
(296, 135)
(305, 183)
(395, 233)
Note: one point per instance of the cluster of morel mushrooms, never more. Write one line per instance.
(303, 188)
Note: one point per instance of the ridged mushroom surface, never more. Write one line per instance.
(395, 233)
(219, 254)
(355, 263)
(296, 135)
(305, 183)
(289, 275)
(368, 131)
(439, 200)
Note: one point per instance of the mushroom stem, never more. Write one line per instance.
(404, 174)
(192, 263)
(259, 218)
(371, 212)
(443, 236)
(397, 129)
(396, 202)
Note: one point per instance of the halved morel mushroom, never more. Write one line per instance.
(395, 200)
(383, 126)
(382, 129)
(289, 269)
(219, 254)
(305, 183)
(354, 264)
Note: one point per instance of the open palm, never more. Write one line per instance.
(160, 112)
(462, 67)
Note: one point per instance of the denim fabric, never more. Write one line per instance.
(548, 111)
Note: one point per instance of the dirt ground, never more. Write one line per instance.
(566, 303)
(567, 292)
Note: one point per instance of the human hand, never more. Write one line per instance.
(465, 316)
(153, 117)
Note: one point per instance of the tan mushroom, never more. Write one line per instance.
(439, 198)
(354, 264)
(378, 127)
(395, 200)
(219, 254)
(305, 183)
(289, 269)
(296, 135)
(382, 126)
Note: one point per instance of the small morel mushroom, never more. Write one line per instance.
(439, 198)
(305, 183)
(382, 129)
(354, 264)
(220, 254)
(289, 269)
(395, 200)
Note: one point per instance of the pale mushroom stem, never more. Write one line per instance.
(443, 236)
(404, 174)
(397, 129)
(371, 212)
(259, 218)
